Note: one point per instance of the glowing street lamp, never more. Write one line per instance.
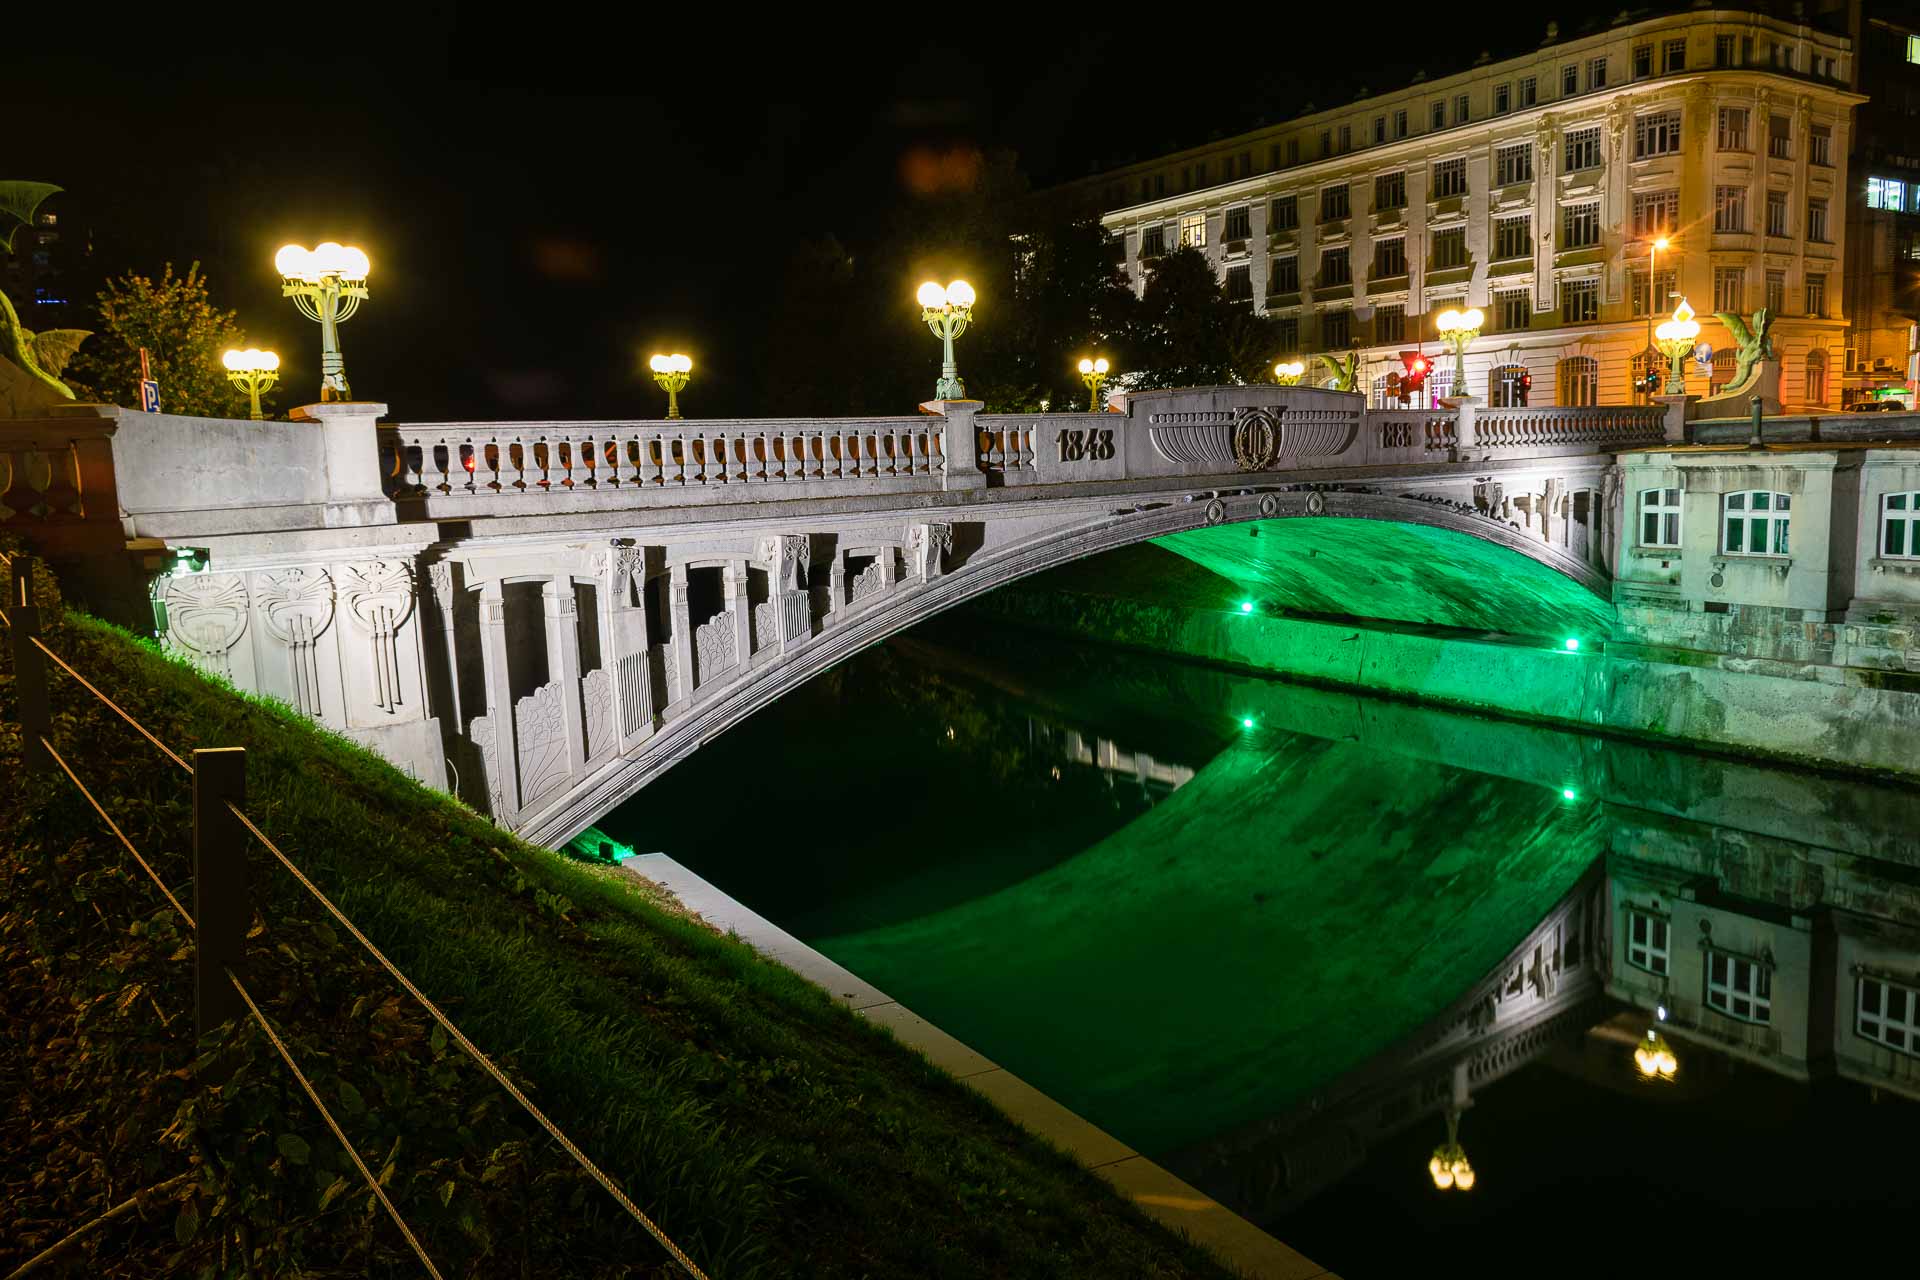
(1676, 341)
(1655, 1057)
(947, 312)
(1654, 250)
(672, 373)
(1289, 372)
(328, 283)
(1457, 329)
(1093, 373)
(1449, 1166)
(253, 371)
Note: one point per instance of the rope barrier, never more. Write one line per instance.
(115, 828)
(164, 748)
(687, 1264)
(327, 1115)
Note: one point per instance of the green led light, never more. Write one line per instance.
(1572, 644)
(1246, 606)
(1246, 722)
(1568, 793)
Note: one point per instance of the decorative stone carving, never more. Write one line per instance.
(1490, 498)
(379, 595)
(1216, 511)
(636, 692)
(540, 741)
(870, 580)
(1256, 438)
(1269, 506)
(440, 579)
(596, 705)
(713, 648)
(206, 616)
(927, 547)
(1200, 438)
(787, 557)
(623, 564)
(296, 605)
(481, 731)
(1316, 503)
(765, 620)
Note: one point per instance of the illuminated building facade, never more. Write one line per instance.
(1882, 288)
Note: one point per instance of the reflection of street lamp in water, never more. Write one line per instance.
(1449, 1165)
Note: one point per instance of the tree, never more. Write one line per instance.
(184, 334)
(1069, 299)
(1188, 334)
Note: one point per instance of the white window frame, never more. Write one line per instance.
(1731, 135)
(1193, 231)
(1725, 997)
(1650, 953)
(1907, 516)
(1775, 520)
(1875, 1026)
(1664, 507)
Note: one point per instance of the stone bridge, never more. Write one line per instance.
(544, 616)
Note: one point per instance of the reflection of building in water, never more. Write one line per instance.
(1156, 777)
(1547, 992)
(1805, 967)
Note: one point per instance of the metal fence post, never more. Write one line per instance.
(221, 911)
(29, 670)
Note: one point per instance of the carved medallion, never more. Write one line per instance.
(206, 615)
(1316, 503)
(1216, 511)
(1256, 439)
(1269, 506)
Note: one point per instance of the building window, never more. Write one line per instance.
(1642, 61)
(1283, 275)
(1580, 304)
(1334, 268)
(1776, 292)
(1460, 109)
(1569, 80)
(1379, 130)
(1146, 190)
(1450, 248)
(1674, 56)
(1725, 361)
(1336, 330)
(1273, 157)
(1389, 258)
(1596, 73)
(1285, 215)
(1507, 386)
(1729, 208)
(1739, 988)
(1816, 377)
(1326, 143)
(1816, 295)
(1899, 512)
(1779, 137)
(1513, 164)
(1580, 225)
(1502, 99)
(1449, 178)
(1583, 149)
(1650, 296)
(1287, 333)
(1440, 115)
(1159, 184)
(1656, 134)
(1512, 238)
(1884, 1012)
(1577, 380)
(1390, 191)
(1733, 129)
(1820, 145)
(1529, 91)
(1346, 138)
(1756, 523)
(1729, 288)
(1817, 221)
(1239, 226)
(1647, 935)
(1240, 284)
(1512, 310)
(1193, 231)
(1776, 213)
(1655, 213)
(1153, 242)
(1390, 322)
(1723, 51)
(1913, 48)
(1400, 123)
(1334, 203)
(1885, 193)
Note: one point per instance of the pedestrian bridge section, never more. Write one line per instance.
(544, 616)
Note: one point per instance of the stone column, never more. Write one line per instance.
(837, 584)
(1679, 408)
(959, 444)
(740, 605)
(440, 574)
(1462, 406)
(626, 642)
(563, 660)
(505, 783)
(355, 496)
(1261, 259)
(682, 630)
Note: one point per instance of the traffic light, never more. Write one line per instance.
(1526, 388)
(1418, 366)
(1651, 383)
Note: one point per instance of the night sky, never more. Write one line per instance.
(549, 197)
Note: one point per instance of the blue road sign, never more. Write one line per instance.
(149, 395)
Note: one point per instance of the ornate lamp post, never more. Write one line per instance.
(947, 312)
(1449, 1165)
(1093, 373)
(672, 373)
(1676, 341)
(328, 283)
(253, 371)
(1457, 329)
(1654, 250)
(1289, 372)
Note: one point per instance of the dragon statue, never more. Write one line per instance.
(1346, 373)
(1755, 345)
(42, 356)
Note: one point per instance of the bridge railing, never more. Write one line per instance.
(1529, 432)
(658, 461)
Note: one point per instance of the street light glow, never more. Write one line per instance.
(932, 296)
(1572, 644)
(1289, 372)
(327, 283)
(947, 312)
(1246, 606)
(672, 373)
(1246, 722)
(252, 371)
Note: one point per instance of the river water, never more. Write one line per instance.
(1272, 935)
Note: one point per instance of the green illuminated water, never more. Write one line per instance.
(1205, 937)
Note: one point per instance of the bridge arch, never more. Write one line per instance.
(931, 587)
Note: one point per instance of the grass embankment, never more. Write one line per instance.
(769, 1131)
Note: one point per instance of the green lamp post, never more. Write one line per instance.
(253, 371)
(672, 373)
(328, 283)
(1676, 337)
(1093, 373)
(1289, 372)
(1458, 329)
(947, 312)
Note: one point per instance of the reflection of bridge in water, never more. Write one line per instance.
(1156, 778)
